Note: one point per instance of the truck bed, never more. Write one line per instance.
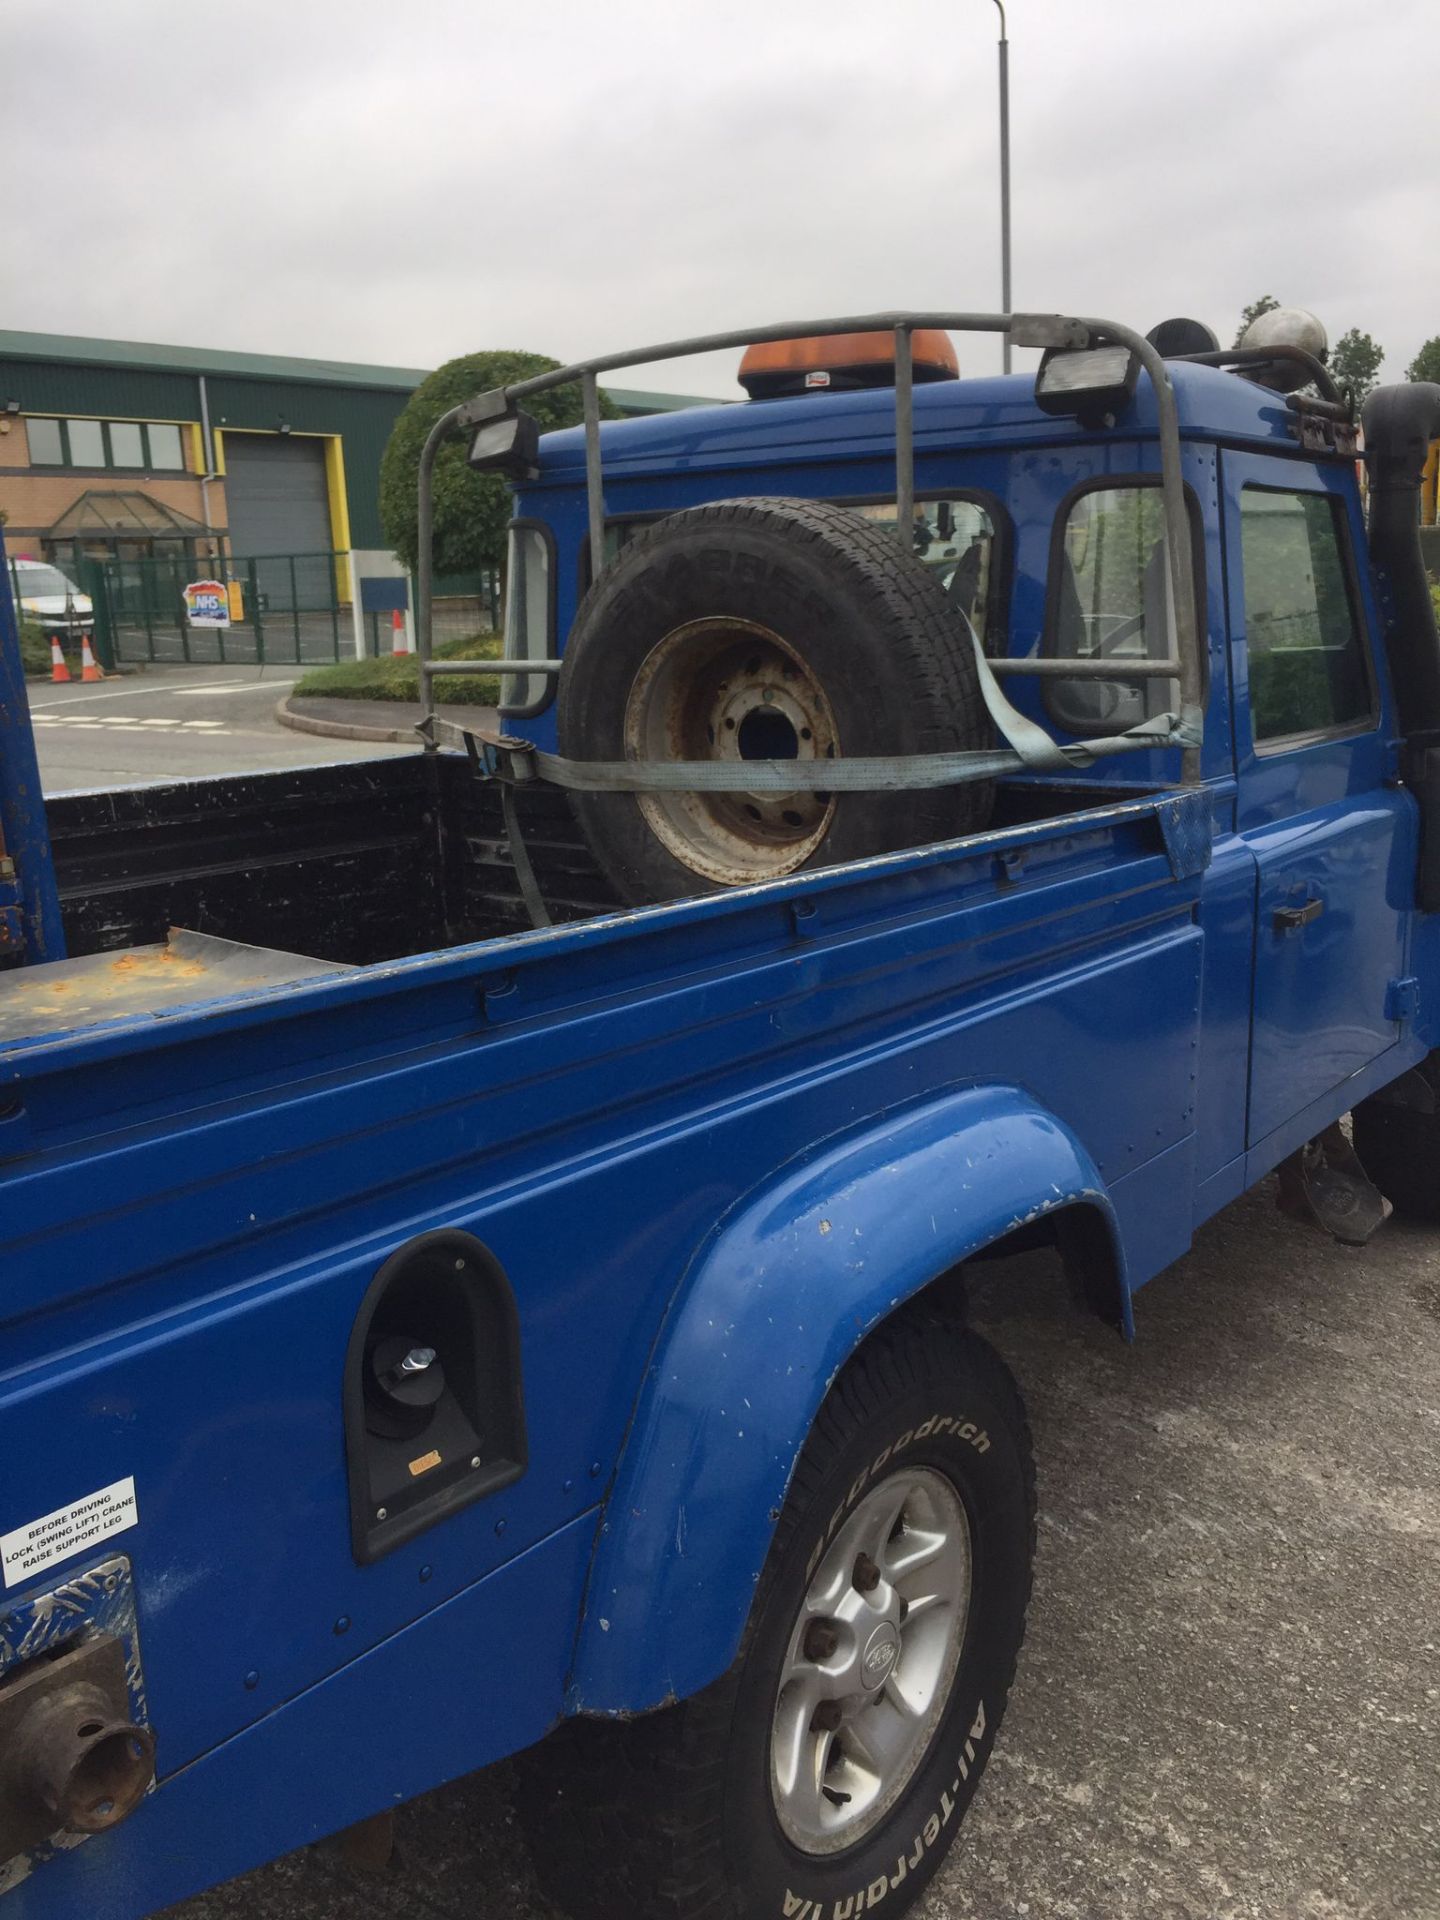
(357, 862)
(203, 1194)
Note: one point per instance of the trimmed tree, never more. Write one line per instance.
(471, 509)
(1426, 364)
(1355, 361)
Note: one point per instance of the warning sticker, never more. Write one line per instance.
(31, 1549)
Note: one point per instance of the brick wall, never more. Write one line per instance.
(33, 498)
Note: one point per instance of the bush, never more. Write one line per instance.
(397, 676)
(34, 649)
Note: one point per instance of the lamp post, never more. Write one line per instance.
(1004, 175)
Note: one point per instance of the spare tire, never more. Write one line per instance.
(766, 629)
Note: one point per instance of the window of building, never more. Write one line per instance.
(166, 452)
(87, 443)
(1307, 659)
(127, 444)
(46, 446)
(133, 446)
(1110, 600)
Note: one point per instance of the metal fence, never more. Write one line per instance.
(292, 608)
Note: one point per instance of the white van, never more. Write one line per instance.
(49, 598)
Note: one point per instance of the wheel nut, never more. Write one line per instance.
(866, 1576)
(821, 1640)
(826, 1717)
(904, 1608)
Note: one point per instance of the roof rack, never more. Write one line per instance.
(1185, 659)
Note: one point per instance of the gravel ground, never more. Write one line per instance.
(1228, 1701)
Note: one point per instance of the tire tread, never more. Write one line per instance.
(623, 1817)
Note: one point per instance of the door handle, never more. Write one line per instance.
(1287, 919)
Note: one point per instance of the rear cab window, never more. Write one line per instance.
(958, 540)
(1108, 598)
(529, 615)
(960, 537)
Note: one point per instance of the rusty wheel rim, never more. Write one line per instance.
(728, 689)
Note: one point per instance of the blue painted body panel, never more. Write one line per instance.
(1325, 821)
(433, 1702)
(710, 1145)
(29, 903)
(767, 1317)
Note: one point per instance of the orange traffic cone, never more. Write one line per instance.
(89, 665)
(59, 672)
(397, 632)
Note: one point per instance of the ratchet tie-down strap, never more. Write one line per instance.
(514, 762)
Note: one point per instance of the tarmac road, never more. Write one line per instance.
(174, 723)
(1228, 1706)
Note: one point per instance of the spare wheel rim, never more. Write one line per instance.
(729, 689)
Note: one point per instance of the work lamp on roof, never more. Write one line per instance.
(508, 443)
(1094, 384)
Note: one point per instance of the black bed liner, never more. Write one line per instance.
(355, 862)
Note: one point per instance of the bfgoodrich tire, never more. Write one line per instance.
(766, 629)
(827, 1772)
(1397, 1136)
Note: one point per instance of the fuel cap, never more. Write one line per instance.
(403, 1386)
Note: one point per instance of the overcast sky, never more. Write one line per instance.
(402, 183)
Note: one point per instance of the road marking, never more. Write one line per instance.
(237, 686)
(115, 724)
(145, 693)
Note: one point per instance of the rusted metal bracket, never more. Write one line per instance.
(71, 1759)
(1187, 826)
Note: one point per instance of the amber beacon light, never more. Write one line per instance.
(842, 361)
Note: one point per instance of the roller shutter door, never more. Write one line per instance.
(277, 501)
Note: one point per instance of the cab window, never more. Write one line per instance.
(1308, 672)
(529, 616)
(1109, 599)
(956, 540)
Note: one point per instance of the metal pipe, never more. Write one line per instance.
(424, 559)
(428, 667)
(904, 440)
(594, 487)
(1187, 643)
(207, 453)
(1089, 668)
(1004, 51)
(757, 336)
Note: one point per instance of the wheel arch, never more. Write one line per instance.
(782, 1295)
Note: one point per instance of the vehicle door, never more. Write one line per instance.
(1332, 831)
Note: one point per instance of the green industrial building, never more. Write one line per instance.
(117, 450)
